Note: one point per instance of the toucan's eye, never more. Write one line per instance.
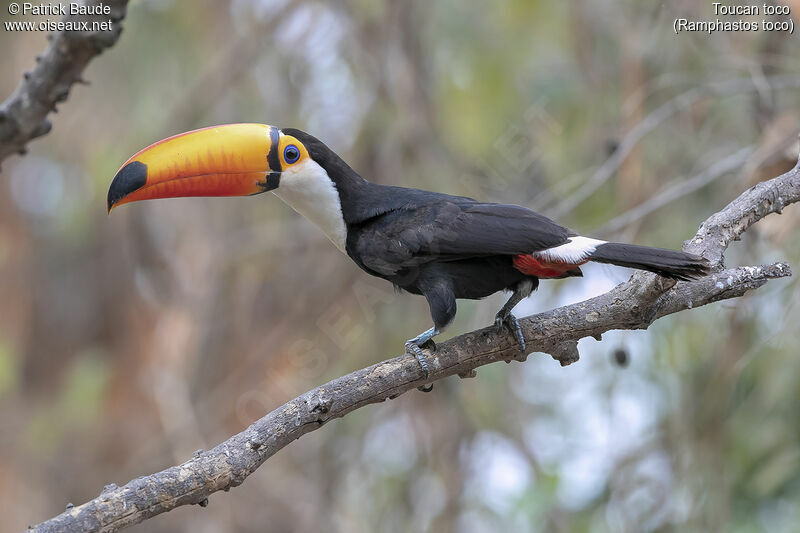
(291, 154)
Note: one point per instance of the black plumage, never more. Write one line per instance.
(441, 246)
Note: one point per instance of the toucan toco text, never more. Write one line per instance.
(440, 246)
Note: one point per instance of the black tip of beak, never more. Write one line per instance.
(129, 178)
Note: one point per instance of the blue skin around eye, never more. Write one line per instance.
(291, 154)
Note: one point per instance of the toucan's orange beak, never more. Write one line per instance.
(230, 160)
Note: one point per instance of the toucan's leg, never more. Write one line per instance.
(442, 303)
(414, 347)
(504, 316)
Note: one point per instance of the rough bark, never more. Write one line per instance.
(23, 116)
(631, 305)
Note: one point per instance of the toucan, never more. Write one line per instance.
(440, 246)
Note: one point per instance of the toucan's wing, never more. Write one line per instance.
(452, 229)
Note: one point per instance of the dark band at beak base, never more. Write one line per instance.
(274, 177)
(272, 181)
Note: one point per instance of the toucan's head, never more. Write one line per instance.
(242, 160)
(230, 160)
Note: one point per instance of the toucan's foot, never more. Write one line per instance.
(416, 351)
(512, 323)
(412, 348)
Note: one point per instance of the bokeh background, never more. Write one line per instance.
(128, 342)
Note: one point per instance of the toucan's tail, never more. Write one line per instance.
(564, 259)
(668, 263)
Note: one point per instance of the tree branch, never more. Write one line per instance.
(23, 116)
(632, 305)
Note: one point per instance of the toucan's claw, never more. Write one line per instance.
(513, 324)
(412, 348)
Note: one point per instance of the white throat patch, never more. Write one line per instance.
(307, 189)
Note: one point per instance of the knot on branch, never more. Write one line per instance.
(565, 352)
(320, 406)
